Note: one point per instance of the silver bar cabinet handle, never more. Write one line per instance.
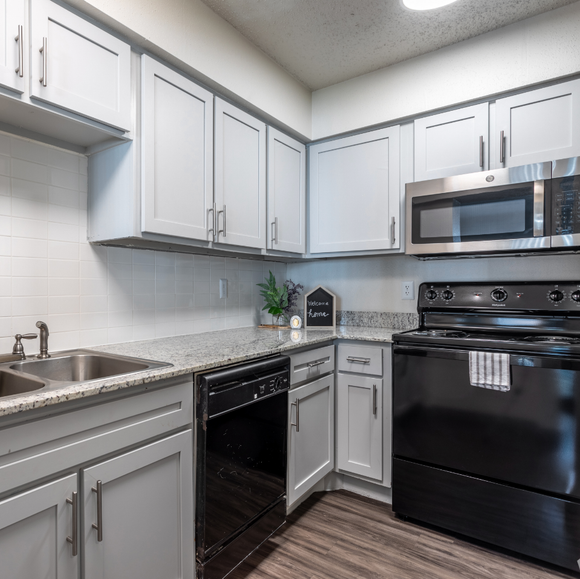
(212, 228)
(44, 52)
(502, 147)
(357, 360)
(99, 524)
(375, 399)
(317, 363)
(393, 224)
(297, 423)
(481, 151)
(222, 231)
(275, 230)
(74, 539)
(20, 40)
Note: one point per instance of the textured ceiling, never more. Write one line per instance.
(322, 42)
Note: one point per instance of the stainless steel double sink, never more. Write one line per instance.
(72, 367)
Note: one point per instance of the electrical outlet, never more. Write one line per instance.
(408, 290)
(223, 288)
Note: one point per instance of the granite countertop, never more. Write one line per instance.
(191, 353)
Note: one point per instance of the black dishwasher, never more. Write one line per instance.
(242, 424)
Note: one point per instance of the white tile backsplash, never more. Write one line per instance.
(91, 295)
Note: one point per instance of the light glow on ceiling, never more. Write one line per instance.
(426, 4)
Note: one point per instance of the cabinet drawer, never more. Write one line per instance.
(312, 364)
(360, 359)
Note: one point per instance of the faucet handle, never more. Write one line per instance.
(18, 348)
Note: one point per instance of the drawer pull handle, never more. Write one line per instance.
(74, 540)
(317, 363)
(99, 524)
(297, 423)
(356, 360)
(375, 399)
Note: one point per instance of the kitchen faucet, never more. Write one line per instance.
(43, 340)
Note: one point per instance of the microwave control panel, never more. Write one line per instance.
(566, 206)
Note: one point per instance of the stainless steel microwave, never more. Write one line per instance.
(506, 211)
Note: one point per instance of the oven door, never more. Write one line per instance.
(466, 214)
(527, 436)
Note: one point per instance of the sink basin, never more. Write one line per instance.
(81, 366)
(11, 384)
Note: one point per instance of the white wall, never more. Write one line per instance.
(535, 50)
(191, 36)
(91, 296)
(374, 283)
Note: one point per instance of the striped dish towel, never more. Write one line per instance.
(490, 370)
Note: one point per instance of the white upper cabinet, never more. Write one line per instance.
(537, 126)
(177, 154)
(354, 193)
(12, 45)
(286, 193)
(451, 143)
(78, 66)
(240, 177)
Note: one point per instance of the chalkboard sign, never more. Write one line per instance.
(319, 309)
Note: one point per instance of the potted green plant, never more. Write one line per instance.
(276, 298)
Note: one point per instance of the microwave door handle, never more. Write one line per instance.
(538, 208)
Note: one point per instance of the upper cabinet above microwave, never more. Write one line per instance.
(62, 76)
(452, 143)
(537, 126)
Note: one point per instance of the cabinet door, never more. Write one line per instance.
(451, 143)
(177, 154)
(354, 193)
(286, 193)
(34, 527)
(12, 44)
(359, 438)
(78, 66)
(240, 177)
(537, 126)
(311, 445)
(147, 513)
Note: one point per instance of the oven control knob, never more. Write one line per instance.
(447, 295)
(432, 294)
(576, 296)
(556, 296)
(499, 295)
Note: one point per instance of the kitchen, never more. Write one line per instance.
(90, 296)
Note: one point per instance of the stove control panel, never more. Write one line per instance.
(549, 296)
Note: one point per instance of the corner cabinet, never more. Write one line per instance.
(177, 154)
(240, 177)
(363, 412)
(120, 502)
(286, 193)
(354, 193)
(537, 126)
(311, 438)
(452, 143)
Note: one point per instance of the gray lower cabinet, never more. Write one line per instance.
(100, 492)
(311, 438)
(359, 407)
(34, 526)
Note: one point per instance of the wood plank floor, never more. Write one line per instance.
(340, 535)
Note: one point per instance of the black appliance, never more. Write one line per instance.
(241, 441)
(497, 458)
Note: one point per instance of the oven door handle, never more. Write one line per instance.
(516, 358)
